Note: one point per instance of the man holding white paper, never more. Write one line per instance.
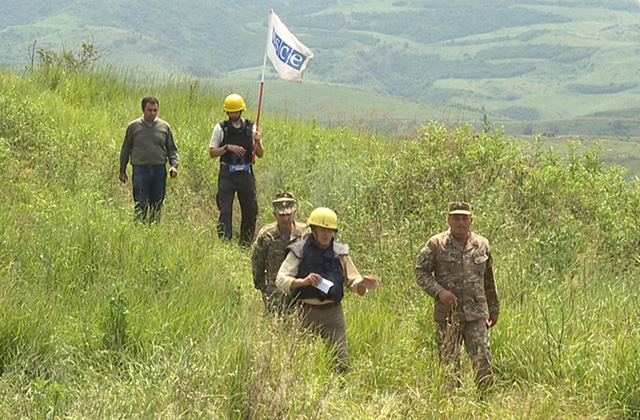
(314, 273)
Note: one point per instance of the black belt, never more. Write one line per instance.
(322, 306)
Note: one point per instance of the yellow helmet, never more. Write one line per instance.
(234, 103)
(324, 218)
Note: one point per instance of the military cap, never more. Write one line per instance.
(284, 203)
(460, 207)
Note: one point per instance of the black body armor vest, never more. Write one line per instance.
(323, 261)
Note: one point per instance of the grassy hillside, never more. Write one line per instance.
(536, 65)
(102, 318)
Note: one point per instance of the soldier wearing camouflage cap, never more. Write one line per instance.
(455, 268)
(269, 247)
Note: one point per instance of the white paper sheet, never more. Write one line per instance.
(325, 285)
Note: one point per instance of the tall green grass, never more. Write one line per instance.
(104, 318)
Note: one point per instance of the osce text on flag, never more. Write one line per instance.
(287, 54)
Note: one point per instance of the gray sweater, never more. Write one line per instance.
(148, 144)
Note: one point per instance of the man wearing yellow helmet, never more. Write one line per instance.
(236, 141)
(314, 273)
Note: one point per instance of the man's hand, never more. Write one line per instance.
(493, 320)
(173, 172)
(367, 283)
(448, 298)
(238, 150)
(313, 279)
(123, 177)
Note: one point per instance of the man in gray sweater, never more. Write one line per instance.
(148, 144)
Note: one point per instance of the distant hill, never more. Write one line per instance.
(535, 66)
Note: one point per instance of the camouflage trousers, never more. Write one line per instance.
(475, 335)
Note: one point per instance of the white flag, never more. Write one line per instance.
(289, 56)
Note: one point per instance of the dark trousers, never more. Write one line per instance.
(243, 183)
(149, 184)
(328, 320)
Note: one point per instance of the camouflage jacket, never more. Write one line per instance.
(268, 252)
(465, 270)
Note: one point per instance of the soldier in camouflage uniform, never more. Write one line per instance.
(269, 250)
(455, 268)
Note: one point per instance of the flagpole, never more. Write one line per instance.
(264, 65)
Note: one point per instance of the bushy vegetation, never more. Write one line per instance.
(103, 318)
